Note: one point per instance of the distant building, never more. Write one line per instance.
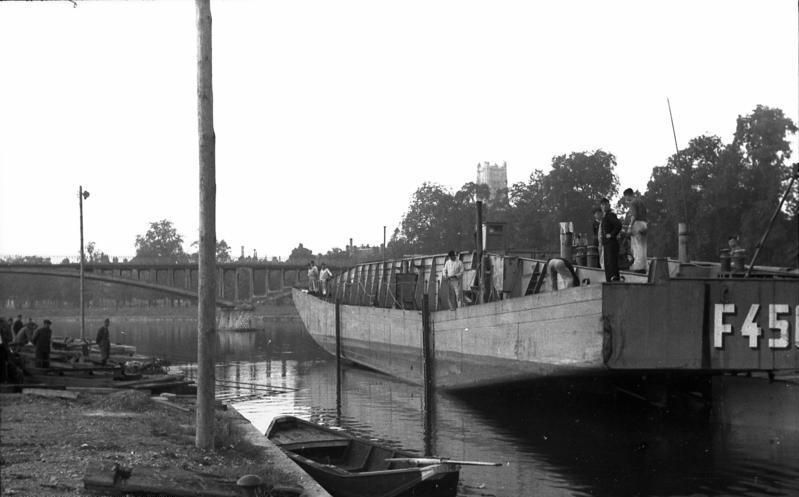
(493, 175)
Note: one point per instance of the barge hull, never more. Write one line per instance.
(558, 333)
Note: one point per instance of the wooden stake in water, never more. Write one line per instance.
(338, 358)
(428, 347)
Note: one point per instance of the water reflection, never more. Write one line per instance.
(557, 438)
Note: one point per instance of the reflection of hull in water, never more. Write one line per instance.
(569, 433)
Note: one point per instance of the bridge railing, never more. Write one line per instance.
(239, 281)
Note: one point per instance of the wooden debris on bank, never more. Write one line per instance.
(172, 405)
(116, 480)
(47, 392)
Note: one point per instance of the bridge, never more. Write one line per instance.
(237, 282)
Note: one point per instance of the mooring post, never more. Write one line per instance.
(338, 357)
(428, 347)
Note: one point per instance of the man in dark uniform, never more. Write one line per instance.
(103, 341)
(611, 227)
(41, 341)
(18, 325)
(6, 337)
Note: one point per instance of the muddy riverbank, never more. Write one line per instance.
(48, 445)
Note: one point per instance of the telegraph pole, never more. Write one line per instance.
(206, 286)
(81, 195)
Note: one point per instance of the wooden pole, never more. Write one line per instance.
(428, 347)
(482, 273)
(338, 358)
(82, 262)
(206, 319)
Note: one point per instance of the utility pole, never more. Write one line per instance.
(81, 195)
(481, 263)
(206, 286)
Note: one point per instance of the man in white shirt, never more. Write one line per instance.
(313, 278)
(324, 275)
(453, 275)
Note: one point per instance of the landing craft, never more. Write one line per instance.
(546, 318)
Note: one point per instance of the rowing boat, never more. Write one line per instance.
(347, 466)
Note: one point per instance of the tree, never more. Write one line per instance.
(725, 190)
(95, 255)
(576, 184)
(300, 255)
(763, 139)
(424, 225)
(525, 227)
(161, 243)
(222, 251)
(568, 192)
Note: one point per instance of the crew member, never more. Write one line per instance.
(313, 278)
(610, 229)
(324, 276)
(636, 228)
(453, 275)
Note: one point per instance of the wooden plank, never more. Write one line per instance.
(92, 389)
(151, 379)
(47, 392)
(148, 481)
(17, 387)
(169, 404)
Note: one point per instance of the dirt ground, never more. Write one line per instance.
(47, 444)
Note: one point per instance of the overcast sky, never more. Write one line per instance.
(329, 114)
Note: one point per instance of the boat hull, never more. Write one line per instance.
(556, 333)
(382, 485)
(350, 467)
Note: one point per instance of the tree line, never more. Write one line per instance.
(719, 189)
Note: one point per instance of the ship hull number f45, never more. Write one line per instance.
(778, 331)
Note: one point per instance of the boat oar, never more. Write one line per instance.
(441, 460)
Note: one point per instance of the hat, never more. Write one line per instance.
(47, 321)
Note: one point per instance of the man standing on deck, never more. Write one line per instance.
(453, 274)
(324, 277)
(103, 341)
(41, 341)
(596, 226)
(610, 229)
(636, 229)
(313, 278)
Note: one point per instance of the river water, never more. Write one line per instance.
(562, 438)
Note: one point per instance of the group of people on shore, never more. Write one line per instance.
(318, 279)
(15, 334)
(608, 230)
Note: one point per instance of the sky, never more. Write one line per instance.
(329, 115)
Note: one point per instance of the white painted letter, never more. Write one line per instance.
(783, 342)
(719, 327)
(750, 328)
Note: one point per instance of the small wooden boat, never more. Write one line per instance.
(350, 467)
